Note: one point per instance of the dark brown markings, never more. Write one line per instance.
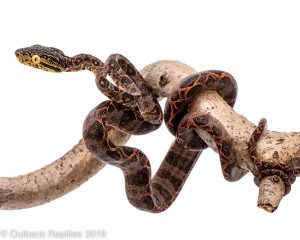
(226, 148)
(140, 178)
(181, 163)
(185, 125)
(163, 192)
(138, 114)
(113, 155)
(175, 181)
(268, 168)
(201, 120)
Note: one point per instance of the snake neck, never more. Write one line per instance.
(85, 62)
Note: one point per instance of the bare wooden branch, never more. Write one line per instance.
(53, 180)
(271, 191)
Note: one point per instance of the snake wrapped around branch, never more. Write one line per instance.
(134, 102)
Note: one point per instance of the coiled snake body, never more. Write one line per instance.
(185, 126)
(134, 109)
(265, 168)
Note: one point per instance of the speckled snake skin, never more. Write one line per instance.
(266, 168)
(133, 108)
(158, 193)
(185, 127)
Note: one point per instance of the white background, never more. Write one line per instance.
(42, 113)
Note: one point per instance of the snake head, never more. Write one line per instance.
(45, 58)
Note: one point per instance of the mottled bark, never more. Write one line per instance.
(271, 190)
(273, 147)
(53, 180)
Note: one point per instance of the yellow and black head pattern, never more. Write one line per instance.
(45, 58)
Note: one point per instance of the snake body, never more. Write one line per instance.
(268, 168)
(129, 88)
(133, 108)
(158, 193)
(185, 125)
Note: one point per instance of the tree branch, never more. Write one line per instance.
(273, 148)
(53, 180)
(271, 190)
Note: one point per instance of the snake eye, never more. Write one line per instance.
(36, 59)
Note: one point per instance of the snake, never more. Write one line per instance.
(129, 88)
(184, 125)
(265, 169)
(133, 108)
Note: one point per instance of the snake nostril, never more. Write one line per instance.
(17, 53)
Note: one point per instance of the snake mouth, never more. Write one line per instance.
(18, 55)
(23, 58)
